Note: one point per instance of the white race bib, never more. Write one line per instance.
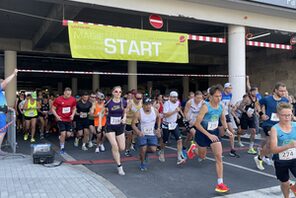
(115, 120)
(274, 117)
(31, 114)
(288, 154)
(148, 130)
(172, 126)
(250, 111)
(83, 115)
(212, 125)
(66, 110)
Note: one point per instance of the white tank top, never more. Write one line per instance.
(194, 109)
(147, 122)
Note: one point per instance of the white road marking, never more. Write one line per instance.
(234, 165)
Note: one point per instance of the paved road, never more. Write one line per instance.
(194, 179)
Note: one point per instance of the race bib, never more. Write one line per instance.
(250, 111)
(66, 110)
(31, 114)
(212, 125)
(274, 117)
(83, 115)
(288, 154)
(148, 130)
(172, 126)
(115, 120)
(45, 111)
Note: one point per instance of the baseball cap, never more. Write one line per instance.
(227, 85)
(34, 95)
(147, 101)
(100, 95)
(174, 94)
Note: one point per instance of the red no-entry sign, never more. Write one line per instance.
(156, 21)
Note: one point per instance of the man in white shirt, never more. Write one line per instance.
(171, 108)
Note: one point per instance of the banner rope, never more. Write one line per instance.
(132, 74)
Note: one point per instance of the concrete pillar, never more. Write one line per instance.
(9, 66)
(60, 87)
(95, 82)
(74, 86)
(237, 61)
(132, 79)
(185, 80)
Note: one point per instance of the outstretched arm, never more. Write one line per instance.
(8, 79)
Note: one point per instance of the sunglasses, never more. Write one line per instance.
(116, 91)
(92, 96)
(138, 98)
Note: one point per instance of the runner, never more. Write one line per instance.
(99, 113)
(191, 111)
(116, 119)
(134, 105)
(92, 129)
(64, 108)
(43, 116)
(19, 115)
(249, 106)
(147, 117)
(31, 108)
(4, 108)
(207, 134)
(269, 117)
(283, 146)
(226, 101)
(237, 114)
(171, 109)
(82, 123)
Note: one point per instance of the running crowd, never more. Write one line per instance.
(137, 119)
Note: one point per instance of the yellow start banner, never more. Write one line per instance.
(116, 43)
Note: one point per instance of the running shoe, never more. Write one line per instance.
(221, 188)
(267, 161)
(76, 142)
(120, 170)
(143, 167)
(161, 156)
(259, 163)
(240, 144)
(90, 144)
(191, 151)
(102, 148)
(97, 150)
(127, 153)
(26, 136)
(233, 153)
(252, 151)
(84, 148)
(62, 151)
(181, 161)
(32, 140)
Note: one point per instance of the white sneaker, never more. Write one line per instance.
(120, 170)
(102, 148)
(76, 142)
(259, 163)
(267, 161)
(132, 148)
(97, 150)
(90, 144)
(240, 144)
(84, 148)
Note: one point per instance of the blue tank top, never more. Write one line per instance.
(212, 115)
(284, 137)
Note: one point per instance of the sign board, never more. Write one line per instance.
(116, 43)
(282, 3)
(156, 21)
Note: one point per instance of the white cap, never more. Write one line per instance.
(226, 85)
(173, 94)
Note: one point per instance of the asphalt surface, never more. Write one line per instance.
(193, 179)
